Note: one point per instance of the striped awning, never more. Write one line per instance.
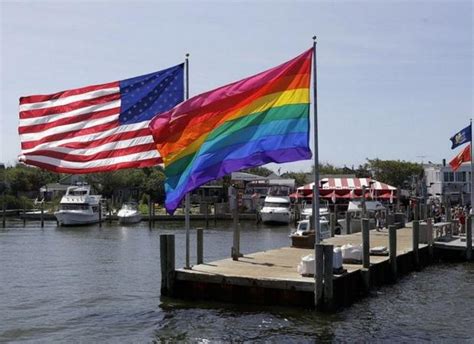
(349, 184)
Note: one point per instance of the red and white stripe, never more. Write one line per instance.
(78, 131)
(349, 184)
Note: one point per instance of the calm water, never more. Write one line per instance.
(96, 284)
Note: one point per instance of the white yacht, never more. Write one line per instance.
(277, 206)
(129, 213)
(78, 207)
(307, 211)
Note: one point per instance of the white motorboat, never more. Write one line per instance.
(304, 236)
(78, 207)
(276, 209)
(303, 228)
(129, 213)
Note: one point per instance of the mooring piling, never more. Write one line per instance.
(42, 215)
(429, 226)
(200, 245)
(392, 242)
(167, 260)
(469, 238)
(333, 220)
(318, 275)
(365, 243)
(415, 244)
(328, 293)
(348, 223)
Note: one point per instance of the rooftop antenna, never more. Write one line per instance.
(422, 157)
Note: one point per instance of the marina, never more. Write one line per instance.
(103, 284)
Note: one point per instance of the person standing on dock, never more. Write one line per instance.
(378, 220)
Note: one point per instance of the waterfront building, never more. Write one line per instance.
(447, 185)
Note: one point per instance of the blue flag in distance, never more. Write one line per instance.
(461, 137)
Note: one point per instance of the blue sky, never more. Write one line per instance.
(395, 78)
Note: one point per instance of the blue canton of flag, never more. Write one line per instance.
(461, 137)
(145, 96)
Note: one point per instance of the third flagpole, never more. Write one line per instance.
(315, 209)
(472, 178)
(187, 202)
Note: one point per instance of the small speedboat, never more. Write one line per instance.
(129, 213)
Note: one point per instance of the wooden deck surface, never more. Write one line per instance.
(281, 264)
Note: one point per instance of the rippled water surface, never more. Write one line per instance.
(94, 284)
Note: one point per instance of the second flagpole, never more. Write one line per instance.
(187, 201)
(315, 206)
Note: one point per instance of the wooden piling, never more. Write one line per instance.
(390, 218)
(4, 207)
(332, 219)
(207, 215)
(365, 273)
(365, 243)
(429, 227)
(100, 214)
(152, 214)
(392, 242)
(200, 245)
(348, 223)
(328, 293)
(167, 260)
(109, 211)
(235, 217)
(416, 216)
(318, 275)
(215, 214)
(469, 238)
(42, 215)
(149, 211)
(415, 242)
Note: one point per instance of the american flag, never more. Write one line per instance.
(98, 128)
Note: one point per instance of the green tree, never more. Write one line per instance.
(23, 178)
(393, 172)
(299, 177)
(154, 183)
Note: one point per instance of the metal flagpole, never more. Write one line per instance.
(472, 179)
(316, 224)
(187, 202)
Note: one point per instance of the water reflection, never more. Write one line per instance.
(95, 284)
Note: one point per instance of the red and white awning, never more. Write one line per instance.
(349, 184)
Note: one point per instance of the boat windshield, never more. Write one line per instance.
(303, 226)
(78, 192)
(74, 207)
(276, 204)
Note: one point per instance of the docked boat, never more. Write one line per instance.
(129, 213)
(78, 207)
(277, 206)
(307, 211)
(304, 236)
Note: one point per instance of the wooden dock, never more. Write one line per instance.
(271, 277)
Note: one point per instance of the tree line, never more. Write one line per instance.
(22, 182)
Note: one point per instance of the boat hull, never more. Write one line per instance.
(128, 219)
(66, 218)
(274, 217)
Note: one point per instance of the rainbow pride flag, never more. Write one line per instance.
(251, 122)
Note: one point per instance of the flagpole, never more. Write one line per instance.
(187, 201)
(316, 224)
(472, 176)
